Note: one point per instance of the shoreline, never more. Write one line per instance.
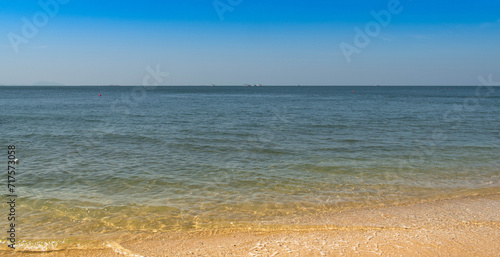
(466, 226)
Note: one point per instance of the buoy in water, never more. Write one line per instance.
(99, 94)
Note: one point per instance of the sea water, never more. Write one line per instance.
(136, 159)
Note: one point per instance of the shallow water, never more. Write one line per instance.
(194, 158)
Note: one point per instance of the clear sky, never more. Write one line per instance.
(232, 42)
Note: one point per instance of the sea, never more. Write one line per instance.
(103, 161)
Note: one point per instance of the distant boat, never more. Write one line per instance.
(246, 85)
(212, 85)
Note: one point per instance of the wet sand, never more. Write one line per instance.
(467, 226)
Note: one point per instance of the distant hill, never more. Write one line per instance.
(47, 83)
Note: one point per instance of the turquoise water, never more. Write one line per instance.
(188, 158)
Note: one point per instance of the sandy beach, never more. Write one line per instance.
(468, 226)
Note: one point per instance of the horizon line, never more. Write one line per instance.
(207, 85)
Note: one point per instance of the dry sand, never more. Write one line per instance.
(459, 227)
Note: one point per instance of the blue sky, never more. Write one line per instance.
(250, 41)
